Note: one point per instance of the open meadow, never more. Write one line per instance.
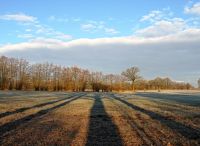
(104, 119)
(99, 73)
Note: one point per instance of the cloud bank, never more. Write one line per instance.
(163, 55)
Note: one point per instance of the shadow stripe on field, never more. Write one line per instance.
(184, 130)
(102, 131)
(3, 115)
(13, 125)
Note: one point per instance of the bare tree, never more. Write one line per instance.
(75, 71)
(159, 83)
(12, 65)
(96, 81)
(84, 79)
(19, 74)
(109, 80)
(132, 74)
(22, 75)
(36, 71)
(4, 72)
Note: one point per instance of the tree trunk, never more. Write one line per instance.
(133, 87)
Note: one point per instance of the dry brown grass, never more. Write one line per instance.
(78, 119)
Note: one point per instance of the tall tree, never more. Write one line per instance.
(4, 71)
(199, 83)
(22, 76)
(132, 74)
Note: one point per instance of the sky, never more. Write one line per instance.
(160, 37)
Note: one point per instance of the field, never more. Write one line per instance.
(99, 119)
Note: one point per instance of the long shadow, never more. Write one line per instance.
(2, 115)
(14, 124)
(11, 93)
(191, 100)
(102, 130)
(184, 130)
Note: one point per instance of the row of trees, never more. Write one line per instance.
(162, 84)
(19, 74)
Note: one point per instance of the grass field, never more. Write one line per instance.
(99, 119)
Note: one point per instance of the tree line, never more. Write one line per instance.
(19, 74)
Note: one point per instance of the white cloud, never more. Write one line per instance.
(88, 27)
(163, 28)
(62, 36)
(28, 30)
(20, 17)
(48, 32)
(63, 19)
(111, 31)
(37, 43)
(194, 9)
(35, 30)
(152, 16)
(187, 35)
(25, 36)
(157, 15)
(98, 26)
(163, 22)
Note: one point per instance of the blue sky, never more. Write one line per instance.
(68, 16)
(161, 37)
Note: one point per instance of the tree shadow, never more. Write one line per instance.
(184, 130)
(49, 130)
(191, 100)
(102, 130)
(14, 124)
(2, 115)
